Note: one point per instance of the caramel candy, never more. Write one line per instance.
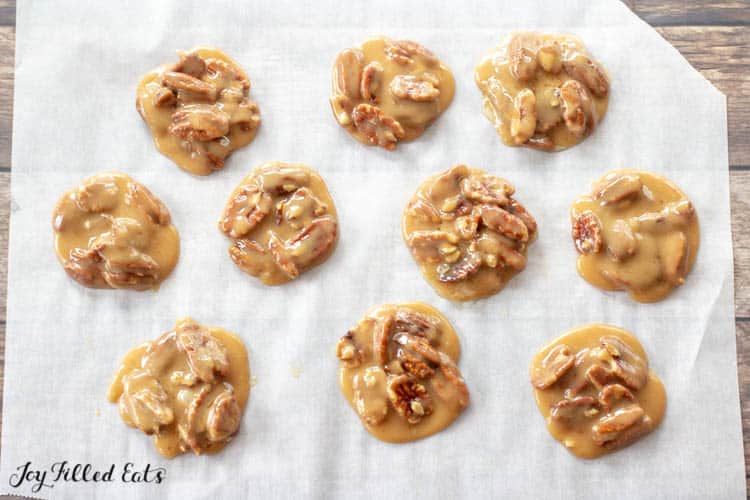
(199, 110)
(281, 220)
(636, 232)
(398, 371)
(112, 232)
(467, 233)
(595, 390)
(188, 388)
(387, 91)
(542, 91)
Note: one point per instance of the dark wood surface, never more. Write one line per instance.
(713, 35)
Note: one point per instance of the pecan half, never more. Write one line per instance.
(619, 188)
(206, 355)
(468, 265)
(626, 364)
(621, 241)
(140, 196)
(426, 245)
(504, 222)
(523, 60)
(485, 188)
(612, 394)
(378, 128)
(224, 415)
(577, 109)
(673, 216)
(409, 398)
(97, 197)
(185, 83)
(144, 404)
(621, 427)
(372, 77)
(245, 211)
(281, 257)
(587, 233)
(568, 410)
(312, 241)
(370, 401)
(420, 88)
(554, 365)
(523, 116)
(589, 73)
(347, 73)
(199, 122)
(451, 388)
(404, 51)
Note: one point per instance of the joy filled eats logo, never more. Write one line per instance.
(66, 472)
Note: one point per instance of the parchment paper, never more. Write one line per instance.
(77, 68)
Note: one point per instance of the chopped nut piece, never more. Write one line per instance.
(191, 64)
(487, 189)
(347, 351)
(621, 241)
(98, 197)
(164, 97)
(425, 245)
(550, 58)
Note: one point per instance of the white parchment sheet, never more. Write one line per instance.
(77, 66)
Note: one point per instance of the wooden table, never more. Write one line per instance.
(713, 35)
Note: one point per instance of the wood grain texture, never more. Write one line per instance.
(692, 12)
(713, 35)
(722, 54)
